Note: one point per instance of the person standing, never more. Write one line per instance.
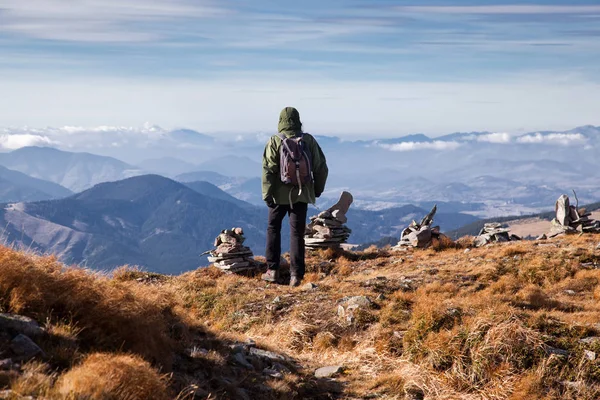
(294, 175)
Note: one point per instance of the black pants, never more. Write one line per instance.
(297, 226)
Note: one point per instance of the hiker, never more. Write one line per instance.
(294, 175)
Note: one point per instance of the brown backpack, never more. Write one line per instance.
(294, 161)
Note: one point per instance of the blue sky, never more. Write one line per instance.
(352, 67)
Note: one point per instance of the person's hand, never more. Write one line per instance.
(270, 202)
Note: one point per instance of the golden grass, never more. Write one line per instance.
(456, 325)
(113, 376)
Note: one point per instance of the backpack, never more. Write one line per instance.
(294, 161)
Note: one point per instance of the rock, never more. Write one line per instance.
(598, 246)
(590, 355)
(362, 301)
(590, 341)
(277, 300)
(380, 297)
(272, 373)
(412, 392)
(6, 364)
(349, 305)
(327, 229)
(329, 372)
(562, 209)
(556, 351)
(467, 251)
(281, 368)
(12, 395)
(570, 292)
(240, 359)
(20, 324)
(309, 286)
(266, 354)
(230, 255)
(25, 348)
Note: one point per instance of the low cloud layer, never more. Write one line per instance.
(17, 141)
(411, 146)
(561, 139)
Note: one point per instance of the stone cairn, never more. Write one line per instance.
(494, 232)
(230, 254)
(328, 229)
(571, 219)
(420, 235)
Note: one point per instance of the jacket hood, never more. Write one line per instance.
(289, 120)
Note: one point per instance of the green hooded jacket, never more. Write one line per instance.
(290, 126)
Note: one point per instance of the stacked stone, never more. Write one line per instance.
(570, 219)
(420, 235)
(230, 254)
(494, 232)
(328, 229)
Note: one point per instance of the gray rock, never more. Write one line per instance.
(598, 246)
(309, 286)
(20, 324)
(590, 341)
(266, 354)
(329, 372)
(467, 251)
(240, 359)
(281, 368)
(24, 347)
(362, 301)
(558, 352)
(562, 209)
(272, 373)
(590, 355)
(6, 364)
(570, 292)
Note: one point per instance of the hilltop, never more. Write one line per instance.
(508, 321)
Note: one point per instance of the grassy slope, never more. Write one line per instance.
(475, 325)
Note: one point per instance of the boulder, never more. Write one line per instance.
(20, 324)
(329, 372)
(25, 348)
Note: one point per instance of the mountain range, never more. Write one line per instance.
(75, 171)
(148, 220)
(163, 225)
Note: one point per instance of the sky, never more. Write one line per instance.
(352, 67)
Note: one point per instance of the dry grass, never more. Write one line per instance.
(113, 376)
(109, 314)
(484, 324)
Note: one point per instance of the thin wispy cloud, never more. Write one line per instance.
(348, 48)
(503, 9)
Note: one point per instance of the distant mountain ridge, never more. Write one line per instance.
(75, 171)
(147, 220)
(16, 186)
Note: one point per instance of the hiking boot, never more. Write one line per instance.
(270, 276)
(295, 281)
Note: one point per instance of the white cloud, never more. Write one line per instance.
(495, 138)
(561, 139)
(503, 9)
(411, 146)
(16, 141)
